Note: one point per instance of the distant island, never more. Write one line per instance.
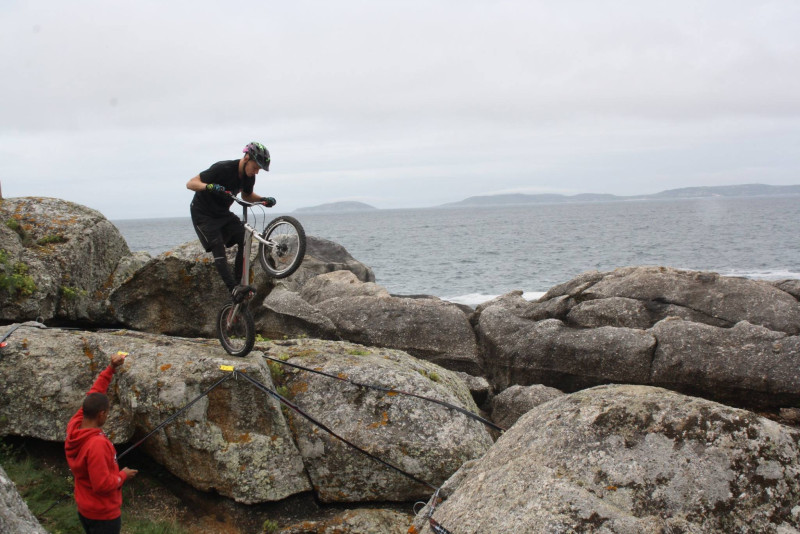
(746, 190)
(337, 207)
(521, 199)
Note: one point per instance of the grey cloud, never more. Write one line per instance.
(409, 103)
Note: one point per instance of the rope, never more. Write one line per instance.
(175, 415)
(393, 390)
(297, 409)
(436, 527)
(156, 429)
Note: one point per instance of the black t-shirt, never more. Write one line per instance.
(226, 174)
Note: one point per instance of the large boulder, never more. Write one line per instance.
(286, 314)
(791, 286)
(678, 333)
(427, 440)
(729, 364)
(516, 401)
(647, 295)
(431, 329)
(630, 459)
(234, 440)
(15, 516)
(517, 350)
(57, 261)
(179, 292)
(339, 305)
(359, 521)
(324, 256)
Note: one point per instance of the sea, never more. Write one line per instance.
(471, 255)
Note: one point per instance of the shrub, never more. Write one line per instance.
(14, 277)
(51, 239)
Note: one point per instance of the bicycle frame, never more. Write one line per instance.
(251, 233)
(281, 250)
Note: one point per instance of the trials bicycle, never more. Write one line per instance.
(281, 249)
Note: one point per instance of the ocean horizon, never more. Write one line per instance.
(471, 255)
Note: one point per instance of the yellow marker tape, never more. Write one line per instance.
(226, 368)
(120, 353)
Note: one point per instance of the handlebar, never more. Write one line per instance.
(243, 202)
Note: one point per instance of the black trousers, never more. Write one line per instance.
(101, 526)
(215, 235)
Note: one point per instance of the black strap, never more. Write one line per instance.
(297, 409)
(176, 414)
(393, 390)
(10, 331)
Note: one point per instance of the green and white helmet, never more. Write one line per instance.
(258, 152)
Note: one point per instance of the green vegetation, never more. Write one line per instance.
(142, 525)
(358, 352)
(13, 224)
(261, 339)
(71, 293)
(51, 239)
(275, 371)
(283, 391)
(14, 278)
(269, 527)
(431, 375)
(43, 485)
(23, 235)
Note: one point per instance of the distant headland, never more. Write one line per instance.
(337, 207)
(745, 190)
(517, 199)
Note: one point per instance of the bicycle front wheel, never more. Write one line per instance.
(236, 329)
(286, 248)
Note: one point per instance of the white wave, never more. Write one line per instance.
(475, 299)
(763, 274)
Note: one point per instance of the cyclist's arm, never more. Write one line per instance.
(195, 184)
(252, 197)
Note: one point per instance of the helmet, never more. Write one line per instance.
(258, 152)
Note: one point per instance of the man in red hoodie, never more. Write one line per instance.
(93, 461)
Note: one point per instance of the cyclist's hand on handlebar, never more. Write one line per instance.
(216, 188)
(268, 201)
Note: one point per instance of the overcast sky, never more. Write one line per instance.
(115, 105)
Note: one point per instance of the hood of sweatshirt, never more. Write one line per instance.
(76, 438)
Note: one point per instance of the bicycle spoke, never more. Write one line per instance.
(235, 329)
(286, 247)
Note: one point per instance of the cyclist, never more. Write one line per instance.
(218, 228)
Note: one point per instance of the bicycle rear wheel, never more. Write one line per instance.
(236, 329)
(287, 247)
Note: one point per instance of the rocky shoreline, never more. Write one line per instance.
(632, 397)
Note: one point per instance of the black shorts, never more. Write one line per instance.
(228, 230)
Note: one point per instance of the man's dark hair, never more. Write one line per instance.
(93, 404)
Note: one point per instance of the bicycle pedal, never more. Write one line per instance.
(242, 293)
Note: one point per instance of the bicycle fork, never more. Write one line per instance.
(230, 319)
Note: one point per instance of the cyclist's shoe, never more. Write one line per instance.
(241, 293)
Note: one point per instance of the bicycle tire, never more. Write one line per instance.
(237, 336)
(285, 257)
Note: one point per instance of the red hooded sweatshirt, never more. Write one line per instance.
(92, 459)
